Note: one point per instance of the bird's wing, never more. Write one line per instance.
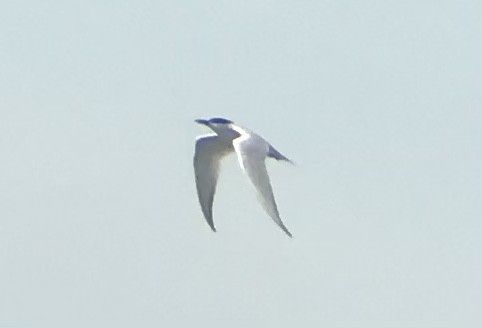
(207, 157)
(252, 152)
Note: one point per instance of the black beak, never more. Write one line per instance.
(203, 122)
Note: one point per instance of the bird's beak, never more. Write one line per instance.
(203, 122)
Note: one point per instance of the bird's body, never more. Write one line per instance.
(251, 150)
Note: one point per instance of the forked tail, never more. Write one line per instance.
(273, 153)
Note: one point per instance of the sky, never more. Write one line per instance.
(377, 102)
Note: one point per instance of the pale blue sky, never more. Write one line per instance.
(378, 102)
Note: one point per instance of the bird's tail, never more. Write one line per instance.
(273, 153)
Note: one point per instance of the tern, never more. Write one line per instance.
(251, 150)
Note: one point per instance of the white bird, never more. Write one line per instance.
(251, 150)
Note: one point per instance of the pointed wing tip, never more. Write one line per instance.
(212, 227)
(210, 222)
(285, 230)
(286, 159)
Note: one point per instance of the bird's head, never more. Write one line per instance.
(217, 124)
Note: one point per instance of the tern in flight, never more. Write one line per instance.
(251, 150)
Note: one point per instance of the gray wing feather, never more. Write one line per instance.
(207, 157)
(252, 153)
